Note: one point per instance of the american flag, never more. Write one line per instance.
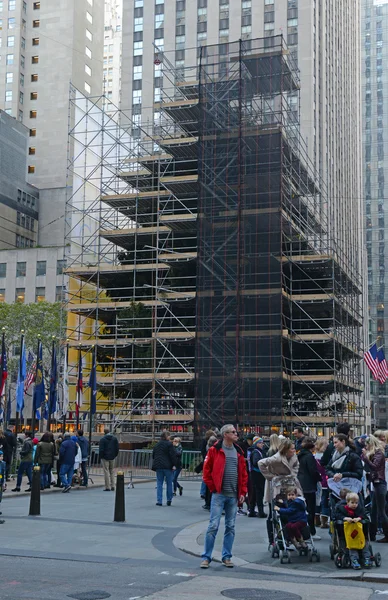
(371, 360)
(383, 366)
(30, 378)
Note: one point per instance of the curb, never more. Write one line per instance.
(187, 541)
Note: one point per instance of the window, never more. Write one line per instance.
(61, 264)
(33, 114)
(10, 41)
(40, 267)
(21, 269)
(20, 295)
(88, 70)
(31, 169)
(1, 4)
(11, 4)
(8, 96)
(139, 3)
(36, 5)
(35, 41)
(40, 294)
(137, 48)
(36, 23)
(23, 43)
(89, 17)
(3, 269)
(59, 293)
(34, 96)
(22, 61)
(35, 60)
(88, 89)
(90, 2)
(34, 77)
(21, 79)
(2, 295)
(89, 35)
(88, 52)
(32, 132)
(21, 97)
(11, 23)
(31, 150)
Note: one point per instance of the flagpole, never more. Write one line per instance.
(5, 388)
(65, 375)
(20, 360)
(33, 396)
(50, 391)
(77, 398)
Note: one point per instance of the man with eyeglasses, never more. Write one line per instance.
(225, 474)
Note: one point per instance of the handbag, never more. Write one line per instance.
(354, 536)
(199, 468)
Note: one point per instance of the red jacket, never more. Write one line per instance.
(214, 467)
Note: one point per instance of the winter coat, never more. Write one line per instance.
(68, 452)
(276, 469)
(164, 456)
(44, 454)
(308, 474)
(178, 452)
(3, 471)
(340, 511)
(84, 445)
(26, 451)
(109, 447)
(255, 455)
(298, 443)
(295, 511)
(214, 467)
(321, 469)
(376, 465)
(11, 445)
(351, 466)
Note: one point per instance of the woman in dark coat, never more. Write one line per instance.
(309, 476)
(345, 461)
(373, 456)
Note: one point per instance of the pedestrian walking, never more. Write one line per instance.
(373, 456)
(309, 476)
(323, 491)
(58, 443)
(44, 457)
(274, 443)
(25, 463)
(67, 453)
(84, 445)
(177, 443)
(299, 436)
(225, 474)
(210, 433)
(11, 449)
(345, 461)
(258, 479)
(108, 451)
(164, 461)
(3, 471)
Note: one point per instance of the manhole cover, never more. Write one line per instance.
(255, 594)
(94, 595)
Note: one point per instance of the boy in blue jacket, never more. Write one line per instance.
(296, 517)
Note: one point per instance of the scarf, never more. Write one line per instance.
(339, 458)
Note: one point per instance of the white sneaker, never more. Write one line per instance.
(316, 537)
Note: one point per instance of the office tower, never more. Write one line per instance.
(112, 54)
(44, 47)
(374, 60)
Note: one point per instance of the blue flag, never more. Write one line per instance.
(39, 395)
(21, 377)
(53, 382)
(9, 407)
(93, 384)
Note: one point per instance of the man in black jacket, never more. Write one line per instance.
(163, 462)
(11, 449)
(108, 450)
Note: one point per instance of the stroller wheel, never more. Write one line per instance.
(346, 562)
(377, 558)
(275, 551)
(332, 553)
(338, 561)
(315, 556)
(284, 558)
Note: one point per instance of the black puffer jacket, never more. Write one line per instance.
(308, 473)
(109, 447)
(164, 456)
(351, 466)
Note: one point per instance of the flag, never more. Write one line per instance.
(4, 369)
(30, 377)
(80, 386)
(93, 384)
(382, 375)
(53, 382)
(9, 407)
(39, 394)
(45, 411)
(21, 377)
(371, 360)
(65, 387)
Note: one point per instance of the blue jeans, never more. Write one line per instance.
(175, 476)
(220, 503)
(203, 489)
(66, 474)
(161, 475)
(44, 475)
(84, 469)
(24, 467)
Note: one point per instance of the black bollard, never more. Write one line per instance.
(35, 493)
(120, 498)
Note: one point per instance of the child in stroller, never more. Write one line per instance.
(296, 516)
(352, 511)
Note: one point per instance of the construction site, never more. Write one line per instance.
(201, 259)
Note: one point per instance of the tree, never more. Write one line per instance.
(42, 318)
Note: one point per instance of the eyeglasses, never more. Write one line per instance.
(233, 431)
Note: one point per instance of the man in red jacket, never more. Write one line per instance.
(225, 474)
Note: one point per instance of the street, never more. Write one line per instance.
(74, 550)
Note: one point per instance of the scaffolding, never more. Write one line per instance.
(201, 260)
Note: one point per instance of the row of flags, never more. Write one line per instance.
(31, 371)
(376, 362)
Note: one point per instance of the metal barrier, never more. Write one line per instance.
(139, 464)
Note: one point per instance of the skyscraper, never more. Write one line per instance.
(112, 54)
(375, 55)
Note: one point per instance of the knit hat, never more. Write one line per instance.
(257, 439)
(35, 441)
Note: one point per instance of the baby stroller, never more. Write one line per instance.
(338, 550)
(280, 543)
